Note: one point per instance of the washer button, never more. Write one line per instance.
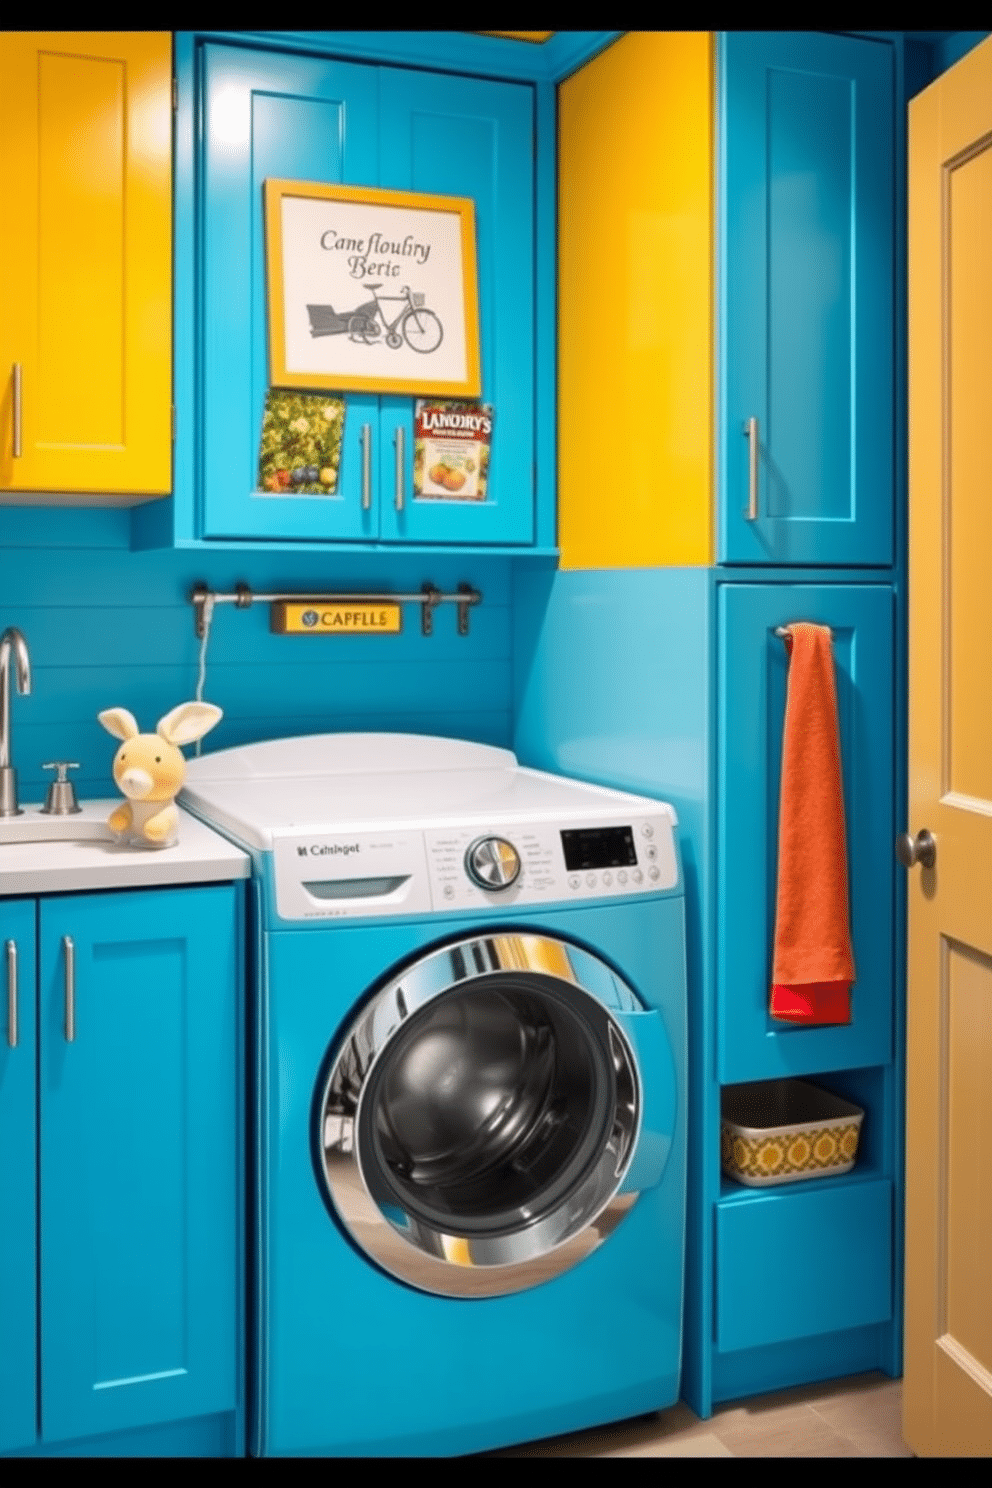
(574, 881)
(637, 876)
(449, 891)
(607, 879)
(591, 880)
(493, 863)
(648, 829)
(622, 876)
(651, 853)
(654, 873)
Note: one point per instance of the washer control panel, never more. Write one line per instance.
(543, 864)
(395, 873)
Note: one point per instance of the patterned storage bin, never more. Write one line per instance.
(782, 1131)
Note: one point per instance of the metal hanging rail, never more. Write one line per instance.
(203, 600)
(782, 630)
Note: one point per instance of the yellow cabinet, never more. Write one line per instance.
(635, 295)
(86, 263)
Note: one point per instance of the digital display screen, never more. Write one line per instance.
(599, 847)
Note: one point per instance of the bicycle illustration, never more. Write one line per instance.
(413, 323)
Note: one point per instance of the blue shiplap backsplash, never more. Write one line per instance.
(108, 627)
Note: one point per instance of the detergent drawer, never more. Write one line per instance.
(793, 1264)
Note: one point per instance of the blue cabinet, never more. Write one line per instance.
(137, 1186)
(807, 288)
(18, 1162)
(843, 1235)
(302, 117)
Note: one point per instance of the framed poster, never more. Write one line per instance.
(370, 290)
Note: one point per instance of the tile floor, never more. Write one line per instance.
(856, 1417)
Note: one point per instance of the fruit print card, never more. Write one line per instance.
(451, 450)
(301, 444)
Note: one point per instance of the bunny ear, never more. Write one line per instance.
(119, 722)
(188, 722)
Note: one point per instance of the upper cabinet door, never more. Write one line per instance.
(86, 261)
(454, 136)
(806, 274)
(266, 114)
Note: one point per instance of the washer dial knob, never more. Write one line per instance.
(492, 863)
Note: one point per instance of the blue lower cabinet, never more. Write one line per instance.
(138, 1176)
(18, 1161)
(799, 1280)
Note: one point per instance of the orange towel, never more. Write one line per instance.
(814, 964)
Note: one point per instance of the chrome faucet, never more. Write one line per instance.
(11, 640)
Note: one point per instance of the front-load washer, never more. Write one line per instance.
(469, 1134)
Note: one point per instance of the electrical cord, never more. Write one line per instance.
(208, 615)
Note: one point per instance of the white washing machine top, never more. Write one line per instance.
(383, 825)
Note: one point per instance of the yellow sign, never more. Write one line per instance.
(335, 619)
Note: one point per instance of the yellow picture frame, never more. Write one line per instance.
(371, 290)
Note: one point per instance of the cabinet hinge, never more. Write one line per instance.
(175, 94)
(173, 420)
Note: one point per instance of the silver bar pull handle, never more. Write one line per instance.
(70, 988)
(366, 466)
(400, 463)
(12, 993)
(751, 430)
(16, 399)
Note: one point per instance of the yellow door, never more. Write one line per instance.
(948, 1357)
(86, 261)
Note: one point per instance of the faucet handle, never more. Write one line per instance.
(61, 798)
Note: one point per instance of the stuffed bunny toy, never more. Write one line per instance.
(149, 769)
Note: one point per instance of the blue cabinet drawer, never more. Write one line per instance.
(793, 1264)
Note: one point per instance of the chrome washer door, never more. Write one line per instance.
(481, 1113)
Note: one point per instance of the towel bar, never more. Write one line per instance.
(780, 630)
(203, 600)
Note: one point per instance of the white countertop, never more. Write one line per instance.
(93, 859)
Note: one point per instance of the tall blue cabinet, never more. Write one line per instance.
(803, 1281)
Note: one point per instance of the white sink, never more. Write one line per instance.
(42, 854)
(35, 825)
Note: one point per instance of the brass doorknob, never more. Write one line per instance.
(920, 849)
